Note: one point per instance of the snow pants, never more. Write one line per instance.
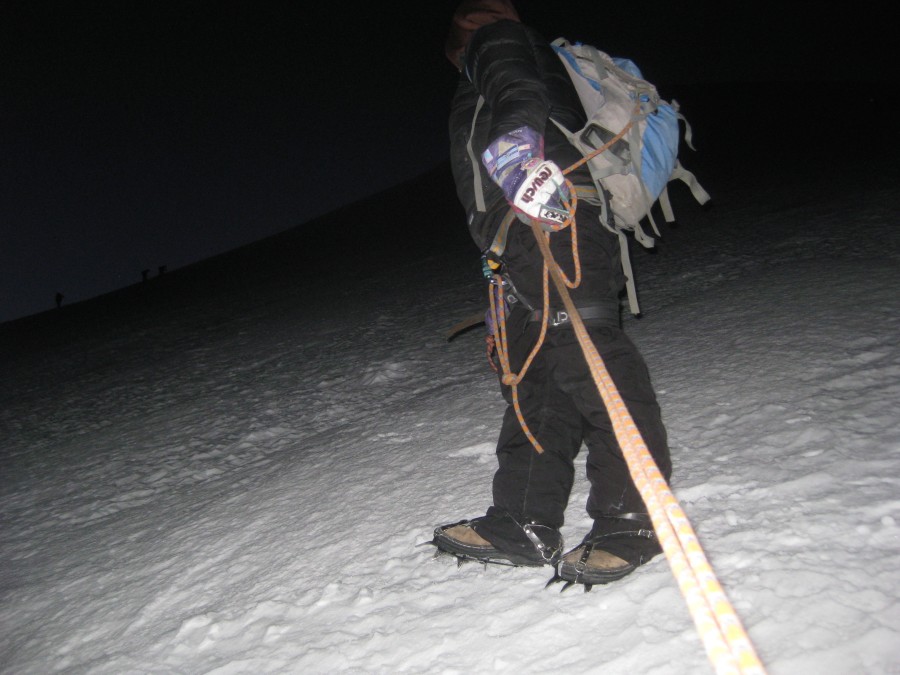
(561, 405)
(563, 410)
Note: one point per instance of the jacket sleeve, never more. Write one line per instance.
(501, 62)
(523, 82)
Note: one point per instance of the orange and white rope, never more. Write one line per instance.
(726, 643)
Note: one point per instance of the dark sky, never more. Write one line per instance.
(140, 134)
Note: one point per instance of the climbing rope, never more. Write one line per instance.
(497, 300)
(724, 638)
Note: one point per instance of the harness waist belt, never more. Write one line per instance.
(604, 315)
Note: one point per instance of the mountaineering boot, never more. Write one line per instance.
(615, 547)
(464, 542)
(588, 565)
(534, 544)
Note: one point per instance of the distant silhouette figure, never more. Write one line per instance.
(144, 275)
(59, 299)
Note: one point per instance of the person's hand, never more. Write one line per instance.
(541, 194)
(533, 185)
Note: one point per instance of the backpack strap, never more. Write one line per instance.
(682, 174)
(498, 246)
(476, 164)
(635, 142)
(666, 205)
(688, 134)
(590, 194)
(689, 179)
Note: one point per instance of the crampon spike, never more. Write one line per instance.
(460, 559)
(567, 585)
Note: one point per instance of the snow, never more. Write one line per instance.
(231, 469)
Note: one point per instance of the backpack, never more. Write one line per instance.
(637, 134)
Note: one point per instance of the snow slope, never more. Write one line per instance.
(230, 469)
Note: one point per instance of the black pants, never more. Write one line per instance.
(563, 409)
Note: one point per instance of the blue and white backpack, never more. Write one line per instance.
(642, 158)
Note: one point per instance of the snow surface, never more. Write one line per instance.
(231, 471)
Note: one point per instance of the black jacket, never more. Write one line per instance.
(523, 82)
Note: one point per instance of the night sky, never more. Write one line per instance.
(135, 135)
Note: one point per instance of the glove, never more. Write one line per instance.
(534, 186)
